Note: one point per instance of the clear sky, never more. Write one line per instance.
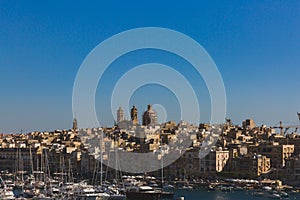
(255, 44)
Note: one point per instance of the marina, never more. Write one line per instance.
(134, 100)
(138, 187)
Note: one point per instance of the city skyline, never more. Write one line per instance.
(254, 45)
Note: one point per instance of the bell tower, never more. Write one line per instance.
(120, 115)
(134, 115)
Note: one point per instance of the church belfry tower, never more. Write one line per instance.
(134, 115)
(120, 115)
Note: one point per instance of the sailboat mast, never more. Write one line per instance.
(31, 162)
(101, 158)
(41, 166)
(117, 167)
(162, 162)
(21, 168)
(162, 169)
(37, 166)
(62, 168)
(69, 171)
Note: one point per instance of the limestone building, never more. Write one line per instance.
(214, 161)
(278, 153)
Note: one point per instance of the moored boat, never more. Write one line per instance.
(6, 194)
(258, 194)
(142, 192)
(88, 193)
(117, 197)
(275, 196)
(167, 195)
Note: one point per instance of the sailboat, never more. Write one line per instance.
(5, 193)
(102, 195)
(29, 189)
(164, 194)
(19, 182)
(88, 192)
(115, 190)
(83, 191)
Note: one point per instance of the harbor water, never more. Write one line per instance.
(204, 194)
(221, 195)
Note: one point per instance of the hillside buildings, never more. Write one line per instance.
(245, 151)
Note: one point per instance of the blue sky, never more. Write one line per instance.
(255, 44)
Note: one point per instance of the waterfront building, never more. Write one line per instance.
(278, 153)
(288, 139)
(17, 159)
(292, 173)
(214, 161)
(185, 167)
(249, 166)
